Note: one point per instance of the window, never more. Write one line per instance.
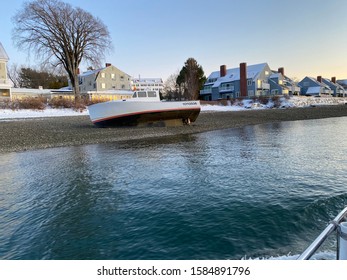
(249, 83)
(113, 76)
(103, 75)
(152, 94)
(141, 94)
(103, 85)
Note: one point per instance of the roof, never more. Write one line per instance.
(330, 83)
(90, 72)
(3, 54)
(234, 74)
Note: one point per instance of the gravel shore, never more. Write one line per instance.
(29, 134)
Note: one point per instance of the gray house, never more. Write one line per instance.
(281, 84)
(338, 90)
(314, 87)
(343, 83)
(244, 81)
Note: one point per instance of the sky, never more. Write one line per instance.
(153, 38)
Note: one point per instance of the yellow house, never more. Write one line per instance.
(5, 85)
(104, 79)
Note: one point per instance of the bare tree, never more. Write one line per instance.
(170, 90)
(13, 74)
(62, 35)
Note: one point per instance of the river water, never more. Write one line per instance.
(256, 192)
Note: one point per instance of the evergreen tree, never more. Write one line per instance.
(31, 78)
(191, 79)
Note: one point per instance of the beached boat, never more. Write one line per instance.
(144, 108)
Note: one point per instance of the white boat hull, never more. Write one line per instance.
(134, 112)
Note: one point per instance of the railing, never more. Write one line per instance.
(206, 91)
(333, 226)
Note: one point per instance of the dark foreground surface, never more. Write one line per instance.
(28, 134)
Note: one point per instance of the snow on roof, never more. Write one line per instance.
(90, 72)
(329, 82)
(3, 54)
(233, 74)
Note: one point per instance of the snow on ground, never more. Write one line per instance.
(295, 101)
(27, 113)
(247, 104)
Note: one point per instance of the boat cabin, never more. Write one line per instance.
(146, 95)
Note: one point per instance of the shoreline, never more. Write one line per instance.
(40, 133)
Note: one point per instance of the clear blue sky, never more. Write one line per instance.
(153, 38)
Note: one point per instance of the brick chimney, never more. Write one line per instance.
(333, 80)
(108, 64)
(281, 70)
(243, 79)
(319, 79)
(223, 70)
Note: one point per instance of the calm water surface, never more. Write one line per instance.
(260, 191)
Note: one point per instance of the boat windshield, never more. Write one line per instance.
(152, 94)
(144, 94)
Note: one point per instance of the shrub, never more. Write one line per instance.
(263, 99)
(33, 103)
(277, 101)
(57, 102)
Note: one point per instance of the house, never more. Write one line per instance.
(314, 87)
(103, 79)
(343, 83)
(338, 90)
(152, 84)
(244, 81)
(5, 85)
(281, 84)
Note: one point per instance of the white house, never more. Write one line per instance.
(152, 84)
